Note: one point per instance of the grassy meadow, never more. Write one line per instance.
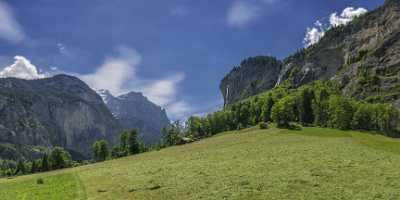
(251, 164)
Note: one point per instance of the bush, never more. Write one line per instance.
(40, 181)
(263, 125)
(295, 126)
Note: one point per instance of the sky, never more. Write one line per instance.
(173, 51)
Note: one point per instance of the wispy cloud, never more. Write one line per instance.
(180, 11)
(242, 13)
(315, 33)
(118, 75)
(115, 71)
(10, 29)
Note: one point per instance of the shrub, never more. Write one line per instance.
(40, 181)
(295, 126)
(263, 125)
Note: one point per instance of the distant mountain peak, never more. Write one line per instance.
(134, 110)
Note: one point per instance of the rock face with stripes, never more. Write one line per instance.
(133, 110)
(363, 57)
(58, 111)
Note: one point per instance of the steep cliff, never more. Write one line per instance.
(134, 110)
(254, 75)
(57, 111)
(363, 57)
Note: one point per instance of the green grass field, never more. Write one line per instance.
(252, 164)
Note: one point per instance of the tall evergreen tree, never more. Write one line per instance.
(45, 165)
(100, 150)
(34, 167)
(134, 147)
(124, 141)
(20, 168)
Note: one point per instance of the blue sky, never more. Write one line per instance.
(174, 51)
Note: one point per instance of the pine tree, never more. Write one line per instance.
(133, 142)
(20, 168)
(45, 163)
(34, 167)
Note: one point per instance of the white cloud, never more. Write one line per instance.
(162, 91)
(347, 16)
(10, 29)
(61, 48)
(115, 71)
(118, 75)
(180, 110)
(241, 13)
(22, 68)
(315, 33)
(180, 10)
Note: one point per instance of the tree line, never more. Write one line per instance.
(316, 104)
(57, 158)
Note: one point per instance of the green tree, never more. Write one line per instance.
(364, 117)
(306, 113)
(320, 107)
(134, 146)
(100, 150)
(59, 158)
(172, 133)
(195, 127)
(21, 169)
(34, 167)
(340, 112)
(267, 108)
(388, 117)
(45, 165)
(124, 142)
(283, 112)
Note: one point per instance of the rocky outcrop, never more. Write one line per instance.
(363, 57)
(254, 75)
(57, 111)
(134, 110)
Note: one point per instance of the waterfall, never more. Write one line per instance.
(282, 73)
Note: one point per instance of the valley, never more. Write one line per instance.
(313, 163)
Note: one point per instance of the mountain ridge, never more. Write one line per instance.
(362, 57)
(134, 110)
(56, 111)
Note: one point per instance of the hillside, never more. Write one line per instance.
(254, 164)
(133, 110)
(58, 111)
(361, 57)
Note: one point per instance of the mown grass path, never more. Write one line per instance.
(252, 164)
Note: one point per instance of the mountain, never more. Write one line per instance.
(134, 110)
(362, 57)
(57, 111)
(254, 75)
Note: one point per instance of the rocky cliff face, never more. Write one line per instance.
(362, 56)
(57, 111)
(253, 76)
(134, 110)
